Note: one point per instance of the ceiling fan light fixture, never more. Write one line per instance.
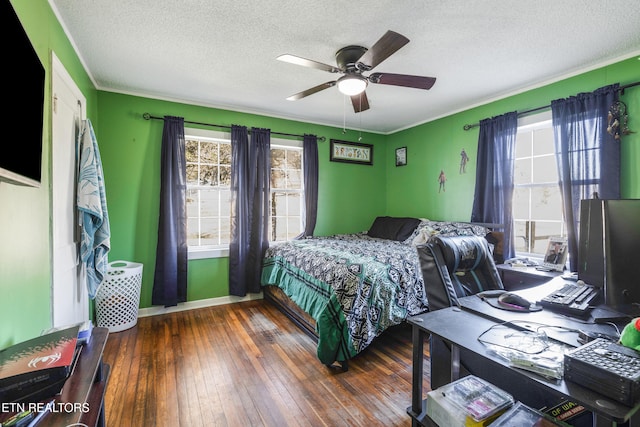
(352, 84)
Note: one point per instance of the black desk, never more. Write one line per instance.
(515, 278)
(454, 347)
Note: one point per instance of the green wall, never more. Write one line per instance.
(350, 195)
(436, 145)
(25, 244)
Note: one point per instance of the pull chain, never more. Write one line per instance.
(344, 115)
(360, 117)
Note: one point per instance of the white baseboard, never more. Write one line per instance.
(201, 303)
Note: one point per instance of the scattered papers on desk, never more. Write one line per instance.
(548, 363)
(527, 350)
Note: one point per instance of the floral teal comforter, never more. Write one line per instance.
(353, 285)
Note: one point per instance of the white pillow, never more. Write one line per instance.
(423, 235)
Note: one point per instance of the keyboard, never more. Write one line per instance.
(572, 298)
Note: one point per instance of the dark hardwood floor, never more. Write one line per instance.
(246, 364)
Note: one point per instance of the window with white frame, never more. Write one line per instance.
(208, 195)
(537, 203)
(287, 190)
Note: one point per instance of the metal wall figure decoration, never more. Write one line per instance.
(442, 178)
(464, 159)
(617, 120)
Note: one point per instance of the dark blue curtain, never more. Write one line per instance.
(310, 159)
(240, 207)
(260, 160)
(250, 184)
(588, 156)
(170, 280)
(492, 201)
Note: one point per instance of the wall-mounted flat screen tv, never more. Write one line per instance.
(21, 148)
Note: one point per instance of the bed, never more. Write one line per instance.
(345, 290)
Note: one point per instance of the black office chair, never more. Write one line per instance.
(456, 266)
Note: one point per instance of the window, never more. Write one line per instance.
(208, 198)
(537, 203)
(287, 192)
(208, 157)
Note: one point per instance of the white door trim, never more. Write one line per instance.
(69, 297)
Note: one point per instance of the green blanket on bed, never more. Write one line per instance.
(354, 286)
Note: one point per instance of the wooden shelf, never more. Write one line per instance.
(81, 401)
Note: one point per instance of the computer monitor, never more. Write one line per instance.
(622, 249)
(591, 243)
(609, 244)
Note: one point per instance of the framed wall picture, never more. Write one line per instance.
(401, 156)
(351, 152)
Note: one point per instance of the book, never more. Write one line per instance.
(84, 332)
(33, 369)
(41, 414)
(565, 410)
(522, 415)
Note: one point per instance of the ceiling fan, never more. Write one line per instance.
(352, 61)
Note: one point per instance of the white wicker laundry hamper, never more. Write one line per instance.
(118, 297)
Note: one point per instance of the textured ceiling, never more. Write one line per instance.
(223, 53)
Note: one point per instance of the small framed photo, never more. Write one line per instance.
(351, 152)
(556, 255)
(401, 156)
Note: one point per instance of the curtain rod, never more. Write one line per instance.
(148, 116)
(522, 113)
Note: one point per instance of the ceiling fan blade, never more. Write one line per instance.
(417, 82)
(297, 60)
(311, 91)
(360, 102)
(386, 46)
